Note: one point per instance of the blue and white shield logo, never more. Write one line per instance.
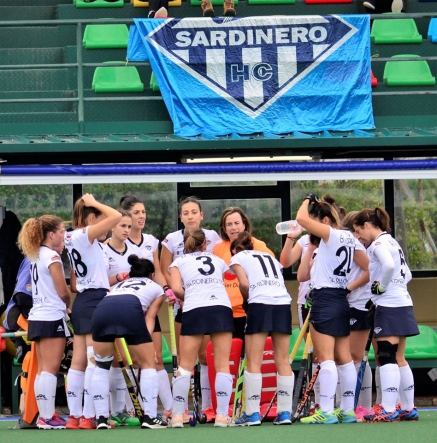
(248, 63)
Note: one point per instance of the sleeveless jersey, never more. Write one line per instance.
(396, 294)
(304, 287)
(146, 248)
(332, 266)
(266, 283)
(87, 260)
(117, 260)
(142, 287)
(47, 305)
(358, 298)
(174, 241)
(202, 278)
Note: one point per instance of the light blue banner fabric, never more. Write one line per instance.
(275, 75)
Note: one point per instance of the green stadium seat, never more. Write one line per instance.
(153, 83)
(117, 79)
(166, 354)
(99, 3)
(386, 31)
(214, 2)
(105, 36)
(271, 2)
(144, 4)
(408, 73)
(293, 338)
(419, 347)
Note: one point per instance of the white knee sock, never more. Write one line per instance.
(338, 392)
(316, 387)
(205, 388)
(223, 389)
(47, 388)
(164, 391)
(406, 387)
(390, 381)
(100, 391)
(328, 376)
(348, 381)
(181, 386)
(88, 402)
(378, 385)
(365, 397)
(37, 392)
(75, 382)
(253, 384)
(149, 385)
(285, 385)
(117, 388)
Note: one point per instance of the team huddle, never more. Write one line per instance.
(353, 287)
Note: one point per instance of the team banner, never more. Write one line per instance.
(272, 75)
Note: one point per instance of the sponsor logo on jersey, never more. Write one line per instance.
(55, 257)
(213, 297)
(377, 243)
(83, 230)
(149, 248)
(165, 240)
(230, 275)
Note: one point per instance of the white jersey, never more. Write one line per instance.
(87, 260)
(174, 241)
(332, 266)
(146, 248)
(266, 283)
(359, 297)
(304, 287)
(47, 305)
(117, 260)
(385, 251)
(202, 278)
(142, 287)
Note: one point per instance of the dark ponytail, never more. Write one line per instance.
(140, 267)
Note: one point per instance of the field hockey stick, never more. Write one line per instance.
(131, 366)
(306, 395)
(290, 360)
(196, 417)
(300, 385)
(309, 373)
(130, 387)
(362, 370)
(238, 397)
(174, 354)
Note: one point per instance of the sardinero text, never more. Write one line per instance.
(251, 37)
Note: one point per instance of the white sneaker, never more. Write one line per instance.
(161, 13)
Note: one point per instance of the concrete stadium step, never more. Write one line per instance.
(33, 118)
(27, 56)
(37, 36)
(35, 80)
(26, 107)
(27, 12)
(34, 2)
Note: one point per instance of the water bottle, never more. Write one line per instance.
(289, 227)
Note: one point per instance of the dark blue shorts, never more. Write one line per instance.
(119, 316)
(302, 312)
(47, 329)
(399, 322)
(178, 317)
(83, 308)
(207, 320)
(268, 318)
(358, 320)
(157, 325)
(330, 313)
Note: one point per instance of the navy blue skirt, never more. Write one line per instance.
(207, 320)
(268, 318)
(398, 322)
(330, 312)
(83, 308)
(47, 329)
(358, 320)
(119, 316)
